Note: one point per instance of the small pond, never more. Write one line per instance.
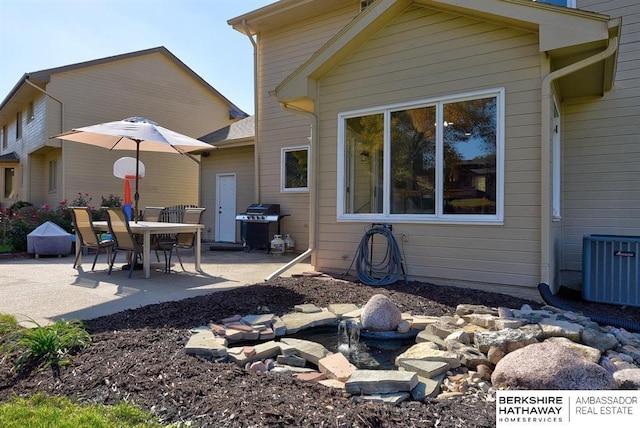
(369, 351)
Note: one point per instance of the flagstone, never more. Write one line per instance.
(424, 368)
(423, 351)
(297, 321)
(380, 381)
(310, 351)
(342, 308)
(428, 387)
(206, 343)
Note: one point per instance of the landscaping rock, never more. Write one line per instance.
(380, 314)
(549, 366)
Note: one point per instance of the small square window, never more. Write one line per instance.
(294, 169)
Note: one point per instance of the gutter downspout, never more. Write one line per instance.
(545, 155)
(256, 154)
(312, 190)
(28, 82)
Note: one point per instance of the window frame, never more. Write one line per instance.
(439, 217)
(12, 191)
(5, 137)
(30, 112)
(283, 169)
(18, 125)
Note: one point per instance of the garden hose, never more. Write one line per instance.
(388, 270)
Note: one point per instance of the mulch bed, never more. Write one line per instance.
(138, 356)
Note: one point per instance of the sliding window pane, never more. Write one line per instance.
(413, 161)
(364, 165)
(470, 148)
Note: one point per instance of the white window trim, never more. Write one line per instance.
(283, 169)
(439, 217)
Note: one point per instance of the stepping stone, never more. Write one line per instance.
(308, 308)
(263, 319)
(262, 351)
(279, 327)
(342, 308)
(427, 369)
(423, 351)
(205, 343)
(297, 321)
(310, 351)
(380, 381)
(353, 314)
(336, 366)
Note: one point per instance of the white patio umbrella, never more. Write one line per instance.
(134, 133)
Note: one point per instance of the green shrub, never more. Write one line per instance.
(8, 326)
(47, 346)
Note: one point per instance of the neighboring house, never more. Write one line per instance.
(228, 178)
(492, 134)
(151, 83)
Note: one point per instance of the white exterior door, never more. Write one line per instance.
(225, 208)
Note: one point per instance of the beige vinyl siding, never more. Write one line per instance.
(601, 147)
(281, 52)
(424, 54)
(237, 160)
(151, 86)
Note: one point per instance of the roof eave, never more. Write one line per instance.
(558, 28)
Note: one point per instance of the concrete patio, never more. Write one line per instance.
(49, 288)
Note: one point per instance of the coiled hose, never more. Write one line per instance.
(388, 270)
(550, 299)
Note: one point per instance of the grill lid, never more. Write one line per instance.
(264, 209)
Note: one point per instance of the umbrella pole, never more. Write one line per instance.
(136, 196)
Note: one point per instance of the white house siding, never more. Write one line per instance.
(238, 161)
(150, 86)
(424, 54)
(281, 52)
(601, 148)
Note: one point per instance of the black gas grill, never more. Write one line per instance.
(259, 224)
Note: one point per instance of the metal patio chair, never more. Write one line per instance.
(123, 238)
(88, 237)
(186, 241)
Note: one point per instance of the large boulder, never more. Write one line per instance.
(380, 314)
(550, 366)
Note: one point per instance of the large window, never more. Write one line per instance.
(397, 164)
(294, 174)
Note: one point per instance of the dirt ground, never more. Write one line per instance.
(138, 356)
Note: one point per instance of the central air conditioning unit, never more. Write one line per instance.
(611, 269)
